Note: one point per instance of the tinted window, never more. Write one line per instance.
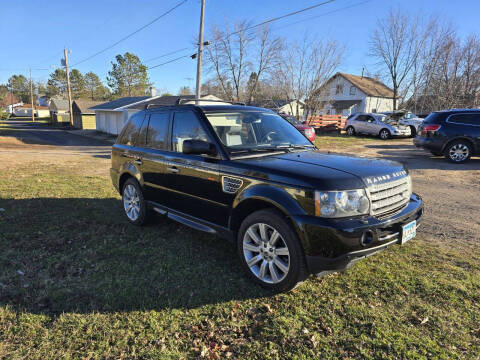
(434, 118)
(130, 131)
(157, 130)
(467, 119)
(361, 118)
(186, 126)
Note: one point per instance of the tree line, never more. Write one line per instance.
(428, 64)
(127, 77)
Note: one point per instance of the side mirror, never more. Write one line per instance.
(199, 147)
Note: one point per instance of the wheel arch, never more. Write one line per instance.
(457, 138)
(265, 197)
(129, 171)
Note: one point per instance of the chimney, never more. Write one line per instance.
(153, 91)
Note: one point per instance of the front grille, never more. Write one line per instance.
(389, 197)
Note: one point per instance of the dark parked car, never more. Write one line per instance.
(452, 133)
(305, 129)
(246, 174)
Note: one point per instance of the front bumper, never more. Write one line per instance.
(335, 244)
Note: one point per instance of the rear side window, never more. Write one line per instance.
(465, 119)
(186, 126)
(158, 130)
(130, 131)
(434, 118)
(361, 118)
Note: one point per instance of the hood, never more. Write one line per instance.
(320, 170)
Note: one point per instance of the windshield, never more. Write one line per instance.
(255, 131)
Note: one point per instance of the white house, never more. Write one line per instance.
(346, 94)
(283, 106)
(110, 117)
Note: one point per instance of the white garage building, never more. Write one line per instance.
(111, 116)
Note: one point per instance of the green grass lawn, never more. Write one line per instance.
(77, 281)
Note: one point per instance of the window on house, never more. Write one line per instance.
(353, 90)
(339, 89)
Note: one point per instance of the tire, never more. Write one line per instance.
(458, 151)
(132, 198)
(413, 131)
(350, 131)
(277, 266)
(385, 134)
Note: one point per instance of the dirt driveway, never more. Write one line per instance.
(451, 191)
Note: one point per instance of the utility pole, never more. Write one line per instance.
(68, 86)
(31, 96)
(199, 55)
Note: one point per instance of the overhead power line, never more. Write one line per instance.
(131, 34)
(233, 33)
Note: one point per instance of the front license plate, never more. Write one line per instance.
(409, 231)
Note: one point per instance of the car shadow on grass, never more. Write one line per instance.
(81, 255)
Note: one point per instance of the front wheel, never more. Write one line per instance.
(270, 251)
(350, 131)
(385, 134)
(458, 151)
(134, 204)
(413, 131)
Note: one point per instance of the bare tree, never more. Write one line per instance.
(397, 42)
(305, 68)
(240, 58)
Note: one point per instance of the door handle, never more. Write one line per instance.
(138, 161)
(173, 169)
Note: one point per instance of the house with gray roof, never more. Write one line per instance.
(59, 110)
(111, 116)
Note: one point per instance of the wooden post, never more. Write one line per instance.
(31, 96)
(68, 86)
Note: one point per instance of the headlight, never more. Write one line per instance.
(335, 204)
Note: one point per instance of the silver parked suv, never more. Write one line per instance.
(375, 124)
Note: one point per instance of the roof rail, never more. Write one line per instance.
(179, 101)
(182, 101)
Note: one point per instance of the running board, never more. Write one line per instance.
(192, 224)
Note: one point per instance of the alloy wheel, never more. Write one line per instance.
(131, 202)
(459, 152)
(384, 134)
(350, 131)
(266, 253)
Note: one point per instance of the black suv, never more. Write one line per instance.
(248, 175)
(452, 133)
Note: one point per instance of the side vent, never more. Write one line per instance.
(230, 184)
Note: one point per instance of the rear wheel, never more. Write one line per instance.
(458, 151)
(385, 134)
(270, 251)
(134, 204)
(350, 131)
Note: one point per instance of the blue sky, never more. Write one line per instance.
(39, 30)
